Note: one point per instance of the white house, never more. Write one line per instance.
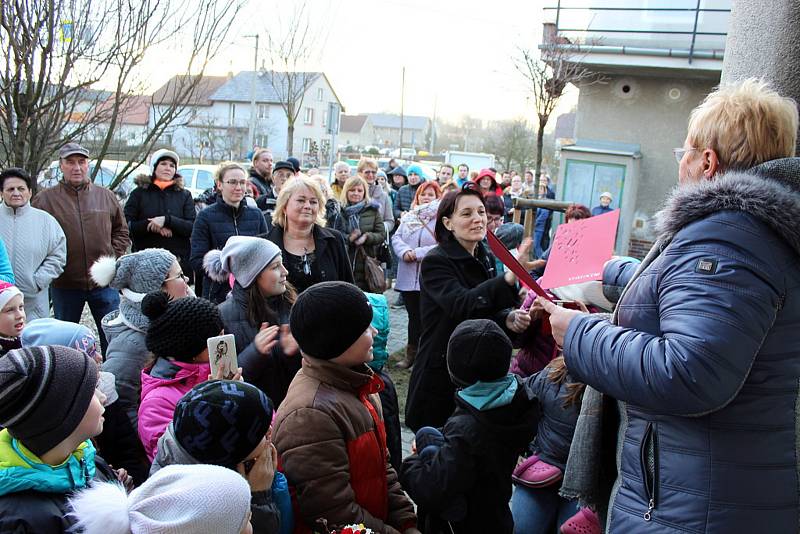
(216, 124)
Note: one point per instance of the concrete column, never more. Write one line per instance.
(763, 37)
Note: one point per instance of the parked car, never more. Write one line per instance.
(197, 178)
(406, 153)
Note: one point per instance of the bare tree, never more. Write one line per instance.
(548, 74)
(512, 142)
(56, 53)
(290, 52)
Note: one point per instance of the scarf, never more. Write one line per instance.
(351, 215)
(418, 217)
(163, 184)
(487, 395)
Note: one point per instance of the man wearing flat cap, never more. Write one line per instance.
(93, 222)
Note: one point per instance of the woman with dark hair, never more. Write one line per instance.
(160, 212)
(458, 283)
(257, 314)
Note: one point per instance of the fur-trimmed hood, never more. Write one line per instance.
(769, 192)
(144, 180)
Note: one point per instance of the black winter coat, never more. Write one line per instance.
(557, 423)
(175, 204)
(35, 512)
(474, 466)
(214, 225)
(271, 373)
(454, 287)
(330, 251)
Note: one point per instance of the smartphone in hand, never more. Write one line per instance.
(222, 350)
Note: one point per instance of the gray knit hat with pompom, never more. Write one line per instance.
(134, 275)
(242, 256)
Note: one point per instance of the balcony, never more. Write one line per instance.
(656, 37)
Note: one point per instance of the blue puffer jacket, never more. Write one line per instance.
(212, 228)
(705, 361)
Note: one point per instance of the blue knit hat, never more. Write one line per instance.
(49, 331)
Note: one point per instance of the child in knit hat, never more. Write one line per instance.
(49, 412)
(134, 276)
(243, 415)
(12, 317)
(190, 499)
(257, 311)
(460, 477)
(119, 442)
(329, 432)
(177, 338)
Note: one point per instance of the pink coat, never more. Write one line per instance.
(163, 385)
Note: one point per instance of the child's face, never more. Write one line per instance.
(92, 423)
(12, 317)
(359, 352)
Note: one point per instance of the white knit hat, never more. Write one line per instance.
(190, 499)
(242, 256)
(7, 292)
(163, 153)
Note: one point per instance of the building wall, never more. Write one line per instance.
(653, 113)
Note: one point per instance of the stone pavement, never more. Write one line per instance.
(398, 321)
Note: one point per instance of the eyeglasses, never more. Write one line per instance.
(176, 277)
(234, 183)
(680, 152)
(495, 218)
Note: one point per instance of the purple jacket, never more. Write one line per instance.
(163, 385)
(411, 235)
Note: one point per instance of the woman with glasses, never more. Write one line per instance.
(228, 216)
(311, 252)
(160, 212)
(364, 228)
(134, 275)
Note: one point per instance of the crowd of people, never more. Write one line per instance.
(662, 397)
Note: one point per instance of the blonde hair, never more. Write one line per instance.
(352, 182)
(258, 153)
(226, 166)
(363, 163)
(745, 123)
(290, 188)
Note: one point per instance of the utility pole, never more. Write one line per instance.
(251, 134)
(402, 98)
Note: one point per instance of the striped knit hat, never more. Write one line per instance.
(44, 394)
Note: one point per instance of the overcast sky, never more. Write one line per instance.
(457, 53)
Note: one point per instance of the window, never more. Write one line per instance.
(263, 111)
(585, 180)
(325, 119)
(319, 94)
(205, 180)
(262, 140)
(231, 114)
(308, 117)
(306, 144)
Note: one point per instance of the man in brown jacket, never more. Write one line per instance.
(329, 431)
(93, 222)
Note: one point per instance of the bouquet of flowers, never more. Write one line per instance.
(349, 529)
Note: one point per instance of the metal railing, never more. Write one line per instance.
(697, 10)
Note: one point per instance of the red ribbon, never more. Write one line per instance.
(508, 259)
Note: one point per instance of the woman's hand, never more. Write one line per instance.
(288, 344)
(219, 373)
(155, 224)
(559, 318)
(354, 235)
(361, 240)
(266, 338)
(409, 256)
(518, 321)
(165, 232)
(510, 277)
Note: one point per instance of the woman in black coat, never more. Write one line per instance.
(311, 252)
(457, 283)
(160, 212)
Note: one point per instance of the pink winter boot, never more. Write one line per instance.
(584, 522)
(535, 473)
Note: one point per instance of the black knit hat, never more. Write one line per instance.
(328, 318)
(478, 350)
(44, 394)
(179, 328)
(221, 422)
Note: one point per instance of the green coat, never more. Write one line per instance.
(371, 224)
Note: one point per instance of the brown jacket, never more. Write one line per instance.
(94, 225)
(332, 445)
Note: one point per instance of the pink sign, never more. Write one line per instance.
(580, 250)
